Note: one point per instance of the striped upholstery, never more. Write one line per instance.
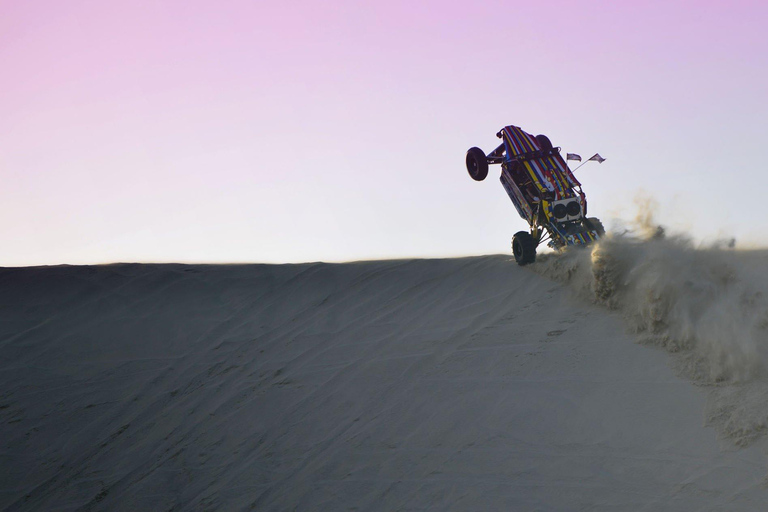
(548, 172)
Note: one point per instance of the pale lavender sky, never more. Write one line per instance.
(306, 130)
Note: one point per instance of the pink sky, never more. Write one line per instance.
(294, 131)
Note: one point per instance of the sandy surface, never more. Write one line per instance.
(464, 384)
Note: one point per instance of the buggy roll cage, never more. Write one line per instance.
(498, 155)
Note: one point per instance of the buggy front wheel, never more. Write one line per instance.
(477, 164)
(544, 143)
(524, 248)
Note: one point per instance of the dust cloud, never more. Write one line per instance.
(706, 306)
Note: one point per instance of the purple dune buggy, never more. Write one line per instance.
(543, 189)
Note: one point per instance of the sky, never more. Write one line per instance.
(290, 131)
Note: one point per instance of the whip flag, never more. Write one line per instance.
(597, 158)
(594, 158)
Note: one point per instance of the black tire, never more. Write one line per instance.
(544, 143)
(524, 248)
(477, 164)
(593, 223)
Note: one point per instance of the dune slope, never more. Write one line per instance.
(463, 384)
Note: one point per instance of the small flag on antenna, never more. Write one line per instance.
(597, 158)
(573, 156)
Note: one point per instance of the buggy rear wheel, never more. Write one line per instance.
(524, 248)
(477, 164)
(593, 223)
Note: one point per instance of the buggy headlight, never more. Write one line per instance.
(566, 210)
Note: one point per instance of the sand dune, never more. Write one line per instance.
(464, 384)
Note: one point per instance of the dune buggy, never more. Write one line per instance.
(543, 189)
